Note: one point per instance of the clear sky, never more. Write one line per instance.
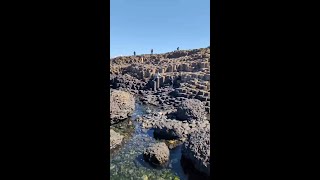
(161, 25)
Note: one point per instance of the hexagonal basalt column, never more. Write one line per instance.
(184, 67)
(153, 70)
(194, 76)
(194, 92)
(201, 98)
(206, 77)
(193, 87)
(158, 82)
(174, 68)
(207, 109)
(179, 90)
(162, 81)
(200, 92)
(208, 103)
(202, 65)
(147, 74)
(166, 79)
(154, 85)
(188, 78)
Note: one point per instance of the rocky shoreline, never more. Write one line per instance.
(177, 83)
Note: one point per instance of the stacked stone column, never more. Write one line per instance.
(158, 82)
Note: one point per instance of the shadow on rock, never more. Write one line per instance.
(190, 170)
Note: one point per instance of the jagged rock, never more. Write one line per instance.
(176, 65)
(197, 151)
(167, 133)
(169, 130)
(157, 154)
(191, 110)
(177, 54)
(122, 105)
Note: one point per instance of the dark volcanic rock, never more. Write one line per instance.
(197, 151)
(126, 81)
(167, 133)
(191, 109)
(122, 105)
(157, 154)
(171, 129)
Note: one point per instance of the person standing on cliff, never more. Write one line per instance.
(151, 51)
(177, 48)
(134, 53)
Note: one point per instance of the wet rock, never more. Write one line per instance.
(173, 143)
(191, 110)
(165, 133)
(171, 129)
(197, 150)
(122, 105)
(115, 139)
(157, 154)
(144, 177)
(168, 130)
(146, 125)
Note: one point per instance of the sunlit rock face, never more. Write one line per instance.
(122, 105)
(157, 154)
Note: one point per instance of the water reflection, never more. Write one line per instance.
(127, 162)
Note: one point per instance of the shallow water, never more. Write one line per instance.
(127, 162)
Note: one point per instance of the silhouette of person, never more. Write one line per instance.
(178, 49)
(134, 53)
(151, 51)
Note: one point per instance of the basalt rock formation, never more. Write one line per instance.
(157, 154)
(178, 84)
(115, 139)
(187, 71)
(122, 105)
(191, 110)
(196, 150)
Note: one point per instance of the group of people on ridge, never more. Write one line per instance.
(134, 53)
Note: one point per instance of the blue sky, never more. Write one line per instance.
(164, 25)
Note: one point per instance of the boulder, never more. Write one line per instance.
(191, 110)
(167, 133)
(122, 105)
(169, 130)
(157, 154)
(196, 150)
(115, 139)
